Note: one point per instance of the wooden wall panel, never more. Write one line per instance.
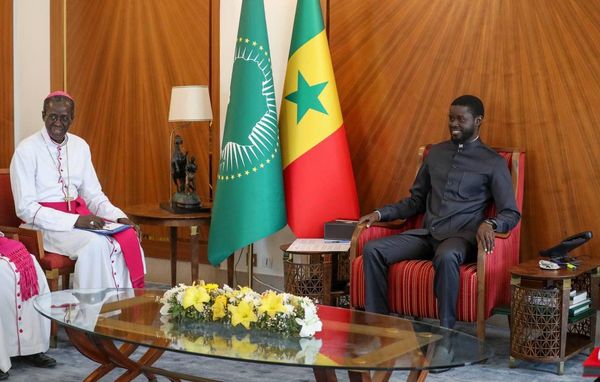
(123, 57)
(536, 66)
(6, 83)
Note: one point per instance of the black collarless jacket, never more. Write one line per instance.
(453, 187)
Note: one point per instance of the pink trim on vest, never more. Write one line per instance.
(127, 239)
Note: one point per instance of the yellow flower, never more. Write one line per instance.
(242, 314)
(196, 296)
(244, 347)
(199, 345)
(246, 290)
(271, 303)
(210, 287)
(219, 343)
(218, 307)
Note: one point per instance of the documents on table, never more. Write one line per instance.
(318, 245)
(108, 229)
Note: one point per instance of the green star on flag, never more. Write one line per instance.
(307, 97)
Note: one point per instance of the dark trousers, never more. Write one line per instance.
(447, 255)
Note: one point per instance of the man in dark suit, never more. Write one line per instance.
(453, 187)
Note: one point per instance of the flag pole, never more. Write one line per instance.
(249, 258)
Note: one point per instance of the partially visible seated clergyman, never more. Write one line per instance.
(24, 333)
(453, 187)
(56, 190)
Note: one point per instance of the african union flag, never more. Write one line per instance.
(319, 183)
(249, 203)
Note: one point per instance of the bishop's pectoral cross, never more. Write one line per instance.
(68, 199)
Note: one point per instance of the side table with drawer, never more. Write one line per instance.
(541, 329)
(322, 276)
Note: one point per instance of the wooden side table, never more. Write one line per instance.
(319, 275)
(541, 329)
(152, 214)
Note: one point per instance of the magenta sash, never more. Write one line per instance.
(128, 240)
(17, 254)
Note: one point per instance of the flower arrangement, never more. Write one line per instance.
(281, 313)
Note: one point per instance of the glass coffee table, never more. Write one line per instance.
(369, 346)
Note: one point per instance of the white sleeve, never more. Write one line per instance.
(91, 191)
(22, 181)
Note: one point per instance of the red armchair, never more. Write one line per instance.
(53, 264)
(410, 283)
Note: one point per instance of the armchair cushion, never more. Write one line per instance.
(55, 261)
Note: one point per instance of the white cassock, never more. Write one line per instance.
(23, 331)
(44, 171)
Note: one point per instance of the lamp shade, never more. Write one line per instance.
(190, 103)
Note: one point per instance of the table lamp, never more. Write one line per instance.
(188, 104)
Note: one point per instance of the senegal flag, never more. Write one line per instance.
(319, 183)
(249, 203)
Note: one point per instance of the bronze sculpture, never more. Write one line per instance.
(183, 173)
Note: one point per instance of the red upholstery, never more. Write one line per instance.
(56, 261)
(410, 286)
(8, 218)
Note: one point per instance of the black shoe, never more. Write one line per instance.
(3, 375)
(38, 360)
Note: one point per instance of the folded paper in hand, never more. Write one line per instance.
(109, 228)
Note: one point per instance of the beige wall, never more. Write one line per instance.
(31, 64)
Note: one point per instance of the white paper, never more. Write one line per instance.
(318, 245)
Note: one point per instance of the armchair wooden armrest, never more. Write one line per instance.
(9, 231)
(33, 241)
(395, 225)
(492, 271)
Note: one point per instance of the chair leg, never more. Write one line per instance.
(65, 281)
(480, 327)
(53, 284)
(53, 335)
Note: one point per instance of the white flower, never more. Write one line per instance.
(164, 310)
(310, 349)
(165, 320)
(289, 310)
(179, 296)
(310, 323)
(309, 308)
(252, 298)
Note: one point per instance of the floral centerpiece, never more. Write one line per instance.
(281, 313)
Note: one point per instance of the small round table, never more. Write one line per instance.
(542, 330)
(152, 214)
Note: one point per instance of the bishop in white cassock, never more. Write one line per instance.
(23, 331)
(56, 189)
